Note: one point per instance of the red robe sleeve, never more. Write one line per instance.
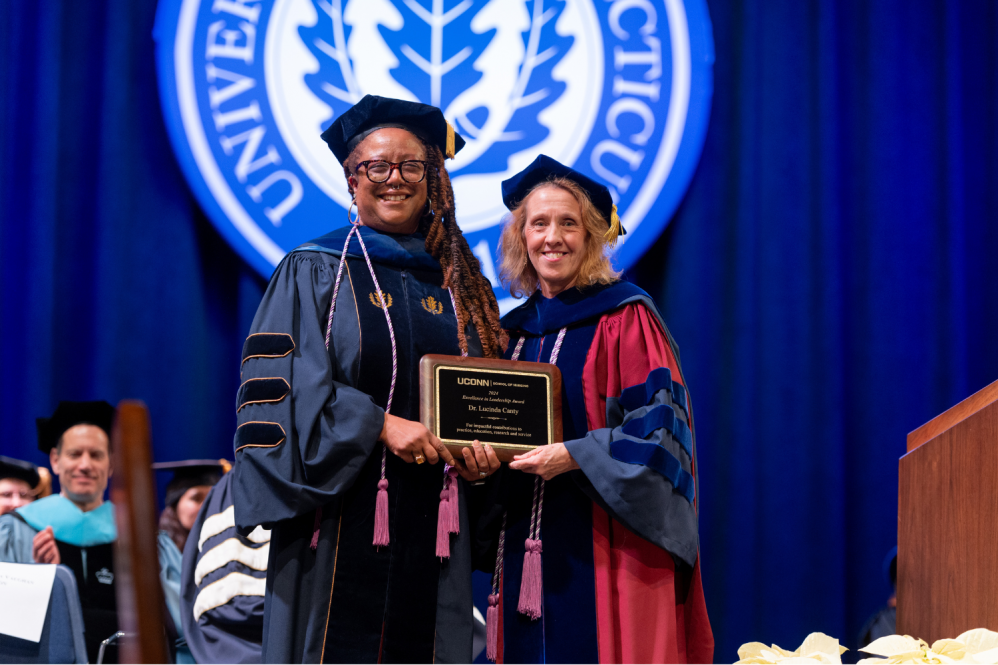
(646, 610)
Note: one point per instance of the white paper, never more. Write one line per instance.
(25, 589)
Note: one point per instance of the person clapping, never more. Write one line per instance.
(75, 527)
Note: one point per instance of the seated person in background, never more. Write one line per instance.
(21, 483)
(186, 491)
(75, 527)
(223, 581)
(884, 622)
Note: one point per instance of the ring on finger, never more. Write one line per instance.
(482, 474)
(419, 458)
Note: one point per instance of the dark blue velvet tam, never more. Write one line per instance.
(544, 168)
(425, 121)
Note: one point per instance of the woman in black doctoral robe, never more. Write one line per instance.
(329, 450)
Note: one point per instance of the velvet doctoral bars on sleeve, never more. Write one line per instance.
(637, 459)
(301, 447)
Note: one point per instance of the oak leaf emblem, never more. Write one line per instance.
(380, 300)
(432, 305)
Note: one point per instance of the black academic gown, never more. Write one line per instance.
(307, 445)
(93, 568)
(222, 584)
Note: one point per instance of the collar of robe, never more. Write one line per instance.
(401, 251)
(70, 524)
(542, 316)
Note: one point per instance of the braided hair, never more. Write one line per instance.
(474, 299)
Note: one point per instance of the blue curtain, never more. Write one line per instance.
(831, 283)
(827, 278)
(112, 283)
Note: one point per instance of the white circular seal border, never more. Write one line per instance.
(216, 189)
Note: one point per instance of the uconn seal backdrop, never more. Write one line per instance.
(619, 89)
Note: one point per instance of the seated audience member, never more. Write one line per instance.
(21, 483)
(223, 581)
(884, 622)
(186, 491)
(75, 527)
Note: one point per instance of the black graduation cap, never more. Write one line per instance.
(545, 168)
(69, 414)
(373, 112)
(15, 468)
(191, 473)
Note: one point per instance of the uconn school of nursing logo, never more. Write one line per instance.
(619, 89)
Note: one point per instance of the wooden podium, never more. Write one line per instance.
(948, 522)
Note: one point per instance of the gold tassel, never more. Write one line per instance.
(44, 486)
(226, 465)
(613, 232)
(449, 152)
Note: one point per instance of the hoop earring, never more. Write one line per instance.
(353, 222)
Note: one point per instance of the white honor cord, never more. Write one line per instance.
(383, 300)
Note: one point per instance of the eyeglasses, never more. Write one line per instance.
(412, 170)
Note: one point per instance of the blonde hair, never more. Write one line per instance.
(517, 273)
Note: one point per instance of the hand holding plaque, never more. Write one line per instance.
(514, 406)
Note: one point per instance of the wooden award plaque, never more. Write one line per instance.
(512, 405)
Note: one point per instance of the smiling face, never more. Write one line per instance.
(83, 463)
(393, 206)
(555, 237)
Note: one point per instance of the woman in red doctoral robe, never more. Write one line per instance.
(596, 538)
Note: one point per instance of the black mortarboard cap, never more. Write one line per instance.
(15, 468)
(544, 168)
(69, 414)
(425, 121)
(191, 473)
